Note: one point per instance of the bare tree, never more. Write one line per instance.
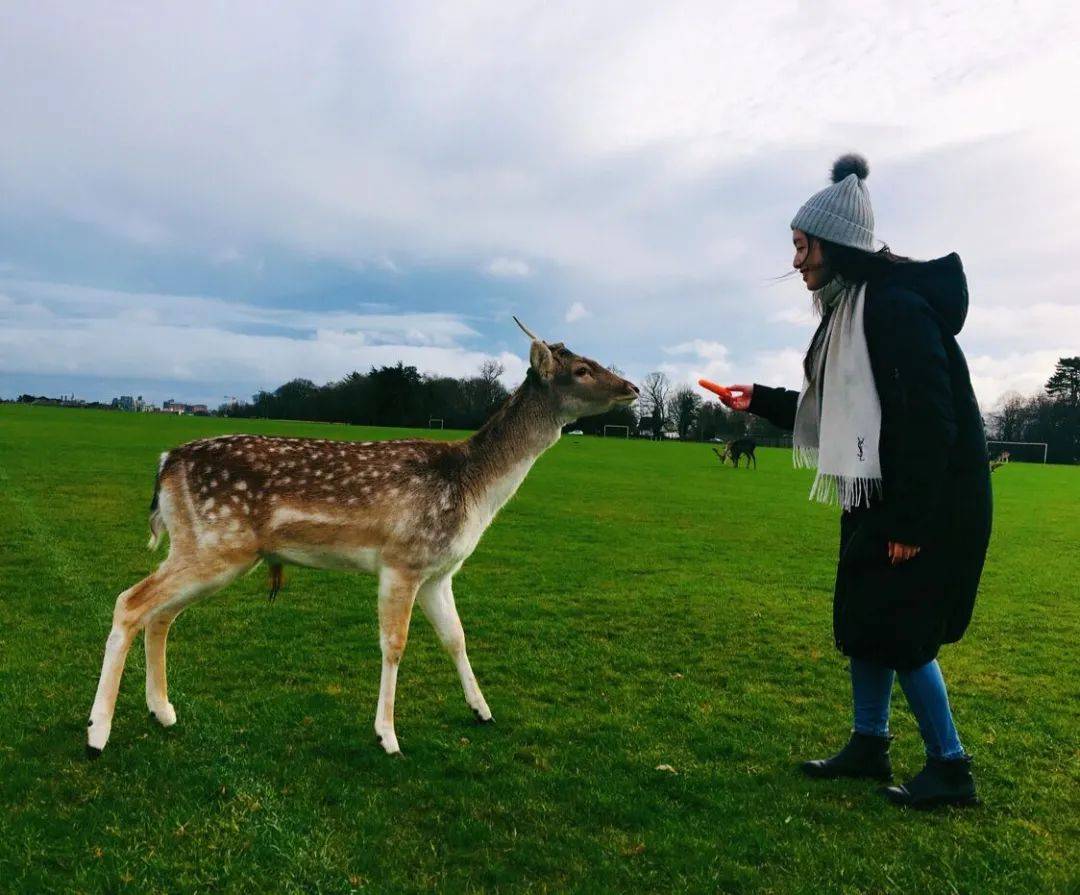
(655, 395)
(1008, 422)
(491, 371)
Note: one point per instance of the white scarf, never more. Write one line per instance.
(838, 419)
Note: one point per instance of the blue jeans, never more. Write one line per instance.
(871, 689)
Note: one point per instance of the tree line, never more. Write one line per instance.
(401, 395)
(1052, 416)
(396, 395)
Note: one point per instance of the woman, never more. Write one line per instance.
(888, 418)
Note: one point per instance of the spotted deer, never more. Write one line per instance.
(410, 512)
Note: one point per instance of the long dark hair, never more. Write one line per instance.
(853, 266)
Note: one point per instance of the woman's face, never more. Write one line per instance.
(810, 260)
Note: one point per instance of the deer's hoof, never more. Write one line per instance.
(92, 752)
(389, 744)
(165, 716)
(480, 719)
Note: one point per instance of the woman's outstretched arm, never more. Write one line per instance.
(777, 405)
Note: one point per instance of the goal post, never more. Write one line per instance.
(435, 423)
(610, 429)
(1018, 451)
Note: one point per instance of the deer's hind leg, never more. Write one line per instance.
(152, 604)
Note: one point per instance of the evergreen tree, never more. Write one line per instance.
(1064, 384)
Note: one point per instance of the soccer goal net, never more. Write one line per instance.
(1017, 451)
(435, 423)
(617, 431)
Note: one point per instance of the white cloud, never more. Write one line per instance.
(700, 348)
(100, 334)
(1025, 372)
(576, 311)
(797, 316)
(508, 267)
(71, 304)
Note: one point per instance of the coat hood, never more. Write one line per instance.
(941, 282)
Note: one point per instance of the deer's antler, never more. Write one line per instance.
(525, 330)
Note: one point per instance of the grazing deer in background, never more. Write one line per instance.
(736, 450)
(410, 512)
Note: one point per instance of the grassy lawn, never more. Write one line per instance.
(636, 605)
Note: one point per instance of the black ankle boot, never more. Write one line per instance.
(940, 782)
(863, 756)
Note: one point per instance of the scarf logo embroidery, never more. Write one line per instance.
(858, 447)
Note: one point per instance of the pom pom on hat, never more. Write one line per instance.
(849, 164)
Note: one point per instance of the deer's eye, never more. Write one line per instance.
(581, 371)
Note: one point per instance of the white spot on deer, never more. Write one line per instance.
(208, 505)
(240, 485)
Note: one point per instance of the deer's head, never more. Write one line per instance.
(578, 385)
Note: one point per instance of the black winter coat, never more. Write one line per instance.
(935, 474)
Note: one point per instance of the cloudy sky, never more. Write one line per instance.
(201, 200)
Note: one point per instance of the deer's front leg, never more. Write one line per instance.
(397, 592)
(437, 600)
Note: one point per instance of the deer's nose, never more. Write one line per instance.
(633, 387)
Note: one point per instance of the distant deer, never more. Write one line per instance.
(736, 450)
(410, 512)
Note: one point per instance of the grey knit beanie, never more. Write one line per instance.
(841, 212)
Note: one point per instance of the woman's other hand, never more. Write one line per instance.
(898, 552)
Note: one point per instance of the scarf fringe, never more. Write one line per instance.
(804, 457)
(848, 492)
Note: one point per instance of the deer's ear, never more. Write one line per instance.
(541, 360)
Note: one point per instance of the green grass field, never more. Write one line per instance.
(635, 605)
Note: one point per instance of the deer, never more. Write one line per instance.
(409, 512)
(736, 450)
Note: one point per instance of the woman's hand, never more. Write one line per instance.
(740, 397)
(899, 553)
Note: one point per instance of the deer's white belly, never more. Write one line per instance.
(331, 553)
(346, 559)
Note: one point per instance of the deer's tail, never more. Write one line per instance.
(157, 523)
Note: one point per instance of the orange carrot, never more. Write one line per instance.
(715, 389)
